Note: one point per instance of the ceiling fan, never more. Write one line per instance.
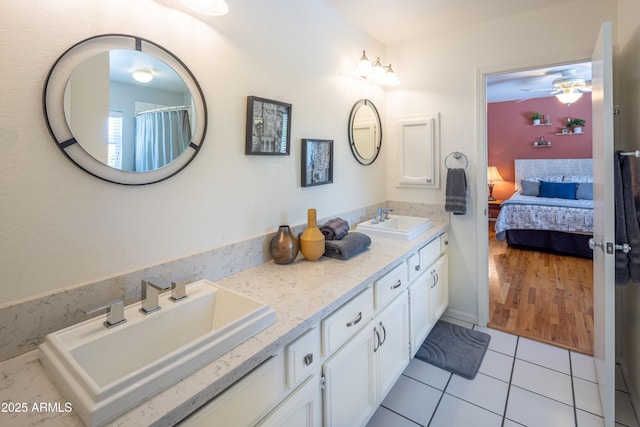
(567, 88)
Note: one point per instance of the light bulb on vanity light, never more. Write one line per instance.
(364, 66)
(376, 72)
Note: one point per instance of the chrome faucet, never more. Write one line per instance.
(179, 290)
(115, 312)
(383, 213)
(151, 288)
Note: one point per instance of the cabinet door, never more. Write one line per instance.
(439, 290)
(392, 327)
(421, 320)
(350, 382)
(301, 409)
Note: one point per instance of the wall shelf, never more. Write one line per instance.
(569, 133)
(544, 124)
(542, 146)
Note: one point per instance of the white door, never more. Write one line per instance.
(604, 233)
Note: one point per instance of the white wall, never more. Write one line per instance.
(60, 227)
(629, 100)
(441, 74)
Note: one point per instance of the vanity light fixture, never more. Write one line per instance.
(142, 76)
(208, 7)
(377, 72)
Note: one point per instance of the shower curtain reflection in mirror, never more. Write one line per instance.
(161, 136)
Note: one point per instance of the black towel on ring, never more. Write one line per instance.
(456, 192)
(335, 229)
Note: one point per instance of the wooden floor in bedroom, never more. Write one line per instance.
(541, 296)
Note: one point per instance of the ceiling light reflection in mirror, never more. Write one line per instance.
(112, 105)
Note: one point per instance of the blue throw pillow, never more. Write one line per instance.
(529, 188)
(558, 190)
(585, 191)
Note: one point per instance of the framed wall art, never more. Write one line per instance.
(268, 127)
(317, 162)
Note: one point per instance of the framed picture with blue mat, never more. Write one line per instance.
(455, 349)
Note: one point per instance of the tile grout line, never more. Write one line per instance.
(439, 400)
(573, 391)
(513, 367)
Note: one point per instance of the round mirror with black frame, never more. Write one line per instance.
(365, 132)
(124, 109)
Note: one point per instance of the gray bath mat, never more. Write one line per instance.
(454, 348)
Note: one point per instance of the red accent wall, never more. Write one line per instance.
(511, 135)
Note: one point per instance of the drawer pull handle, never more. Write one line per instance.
(377, 343)
(397, 285)
(355, 321)
(308, 359)
(417, 267)
(384, 334)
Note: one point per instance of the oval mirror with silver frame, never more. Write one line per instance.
(365, 132)
(115, 127)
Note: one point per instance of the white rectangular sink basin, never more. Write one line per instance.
(104, 372)
(397, 227)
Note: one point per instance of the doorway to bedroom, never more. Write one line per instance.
(540, 275)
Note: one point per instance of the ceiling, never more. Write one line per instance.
(395, 21)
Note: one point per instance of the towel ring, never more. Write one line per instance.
(456, 155)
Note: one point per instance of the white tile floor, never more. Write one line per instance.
(520, 383)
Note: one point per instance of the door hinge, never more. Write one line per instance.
(616, 110)
(323, 382)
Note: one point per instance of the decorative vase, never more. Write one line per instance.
(284, 246)
(312, 239)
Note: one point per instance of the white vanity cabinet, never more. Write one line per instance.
(428, 290)
(359, 375)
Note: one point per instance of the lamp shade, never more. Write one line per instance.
(493, 175)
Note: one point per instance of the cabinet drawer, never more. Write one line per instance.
(390, 285)
(413, 264)
(246, 401)
(303, 357)
(429, 253)
(341, 325)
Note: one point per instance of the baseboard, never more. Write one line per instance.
(460, 315)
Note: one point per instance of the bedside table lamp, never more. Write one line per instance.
(492, 176)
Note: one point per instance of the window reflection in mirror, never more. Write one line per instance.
(126, 124)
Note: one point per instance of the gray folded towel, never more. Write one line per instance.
(335, 229)
(456, 192)
(350, 245)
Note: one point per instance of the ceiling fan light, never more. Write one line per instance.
(208, 7)
(568, 96)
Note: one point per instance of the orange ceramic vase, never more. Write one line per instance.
(312, 239)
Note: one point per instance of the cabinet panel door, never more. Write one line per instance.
(439, 291)
(350, 382)
(421, 320)
(301, 409)
(392, 326)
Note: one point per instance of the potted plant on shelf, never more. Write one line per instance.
(536, 118)
(576, 125)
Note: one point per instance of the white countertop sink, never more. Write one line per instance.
(397, 227)
(104, 372)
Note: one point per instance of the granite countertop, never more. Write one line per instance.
(301, 293)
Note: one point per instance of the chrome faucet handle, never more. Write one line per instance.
(115, 312)
(179, 289)
(151, 288)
